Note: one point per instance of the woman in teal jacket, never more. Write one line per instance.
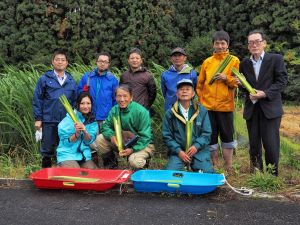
(73, 150)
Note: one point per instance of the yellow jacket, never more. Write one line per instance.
(218, 96)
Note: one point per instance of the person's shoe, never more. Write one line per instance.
(46, 162)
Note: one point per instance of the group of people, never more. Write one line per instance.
(100, 99)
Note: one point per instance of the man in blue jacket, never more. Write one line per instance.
(178, 71)
(174, 131)
(47, 109)
(101, 84)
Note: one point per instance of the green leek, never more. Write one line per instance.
(243, 80)
(188, 133)
(64, 101)
(118, 131)
(221, 68)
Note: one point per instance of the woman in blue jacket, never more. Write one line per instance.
(73, 150)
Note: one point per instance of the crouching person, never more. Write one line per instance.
(73, 150)
(135, 124)
(197, 156)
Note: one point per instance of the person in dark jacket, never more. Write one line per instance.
(140, 80)
(196, 155)
(47, 109)
(267, 74)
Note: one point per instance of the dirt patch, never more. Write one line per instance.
(290, 124)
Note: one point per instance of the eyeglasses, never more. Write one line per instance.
(102, 62)
(255, 42)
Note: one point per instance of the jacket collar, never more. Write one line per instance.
(177, 114)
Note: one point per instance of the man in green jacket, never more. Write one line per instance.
(135, 122)
(197, 154)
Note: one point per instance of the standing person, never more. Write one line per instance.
(174, 131)
(218, 98)
(74, 150)
(141, 81)
(135, 121)
(47, 109)
(101, 84)
(267, 74)
(178, 71)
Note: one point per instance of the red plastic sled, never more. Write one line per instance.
(79, 179)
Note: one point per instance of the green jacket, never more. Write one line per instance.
(134, 118)
(173, 129)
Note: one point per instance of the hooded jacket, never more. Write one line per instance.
(219, 96)
(169, 81)
(68, 150)
(102, 89)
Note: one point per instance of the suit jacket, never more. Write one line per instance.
(272, 79)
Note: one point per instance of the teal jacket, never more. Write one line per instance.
(134, 118)
(68, 150)
(173, 129)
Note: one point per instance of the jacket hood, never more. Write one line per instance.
(186, 69)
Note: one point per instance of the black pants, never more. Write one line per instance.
(264, 132)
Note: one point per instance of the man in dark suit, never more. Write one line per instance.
(267, 74)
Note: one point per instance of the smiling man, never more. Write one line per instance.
(47, 109)
(174, 131)
(139, 79)
(178, 71)
(218, 98)
(267, 74)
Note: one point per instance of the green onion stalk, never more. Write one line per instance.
(221, 68)
(243, 80)
(188, 133)
(118, 131)
(64, 101)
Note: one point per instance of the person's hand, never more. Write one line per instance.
(38, 124)
(126, 152)
(237, 81)
(184, 157)
(221, 77)
(80, 127)
(258, 95)
(192, 151)
(113, 141)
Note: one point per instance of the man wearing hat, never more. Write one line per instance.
(218, 97)
(178, 71)
(139, 79)
(197, 156)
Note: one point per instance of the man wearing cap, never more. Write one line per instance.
(174, 131)
(178, 71)
(218, 97)
(139, 79)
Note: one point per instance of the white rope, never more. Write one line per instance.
(241, 191)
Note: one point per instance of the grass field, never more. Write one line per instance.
(19, 152)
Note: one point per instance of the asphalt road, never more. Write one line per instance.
(34, 207)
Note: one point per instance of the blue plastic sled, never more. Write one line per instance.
(176, 181)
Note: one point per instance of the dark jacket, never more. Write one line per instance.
(173, 129)
(272, 79)
(102, 89)
(142, 84)
(46, 105)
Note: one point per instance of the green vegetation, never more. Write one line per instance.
(19, 155)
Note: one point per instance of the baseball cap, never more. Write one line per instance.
(178, 50)
(184, 82)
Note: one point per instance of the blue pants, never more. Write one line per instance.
(200, 161)
(49, 139)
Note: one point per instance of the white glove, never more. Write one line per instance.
(38, 135)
